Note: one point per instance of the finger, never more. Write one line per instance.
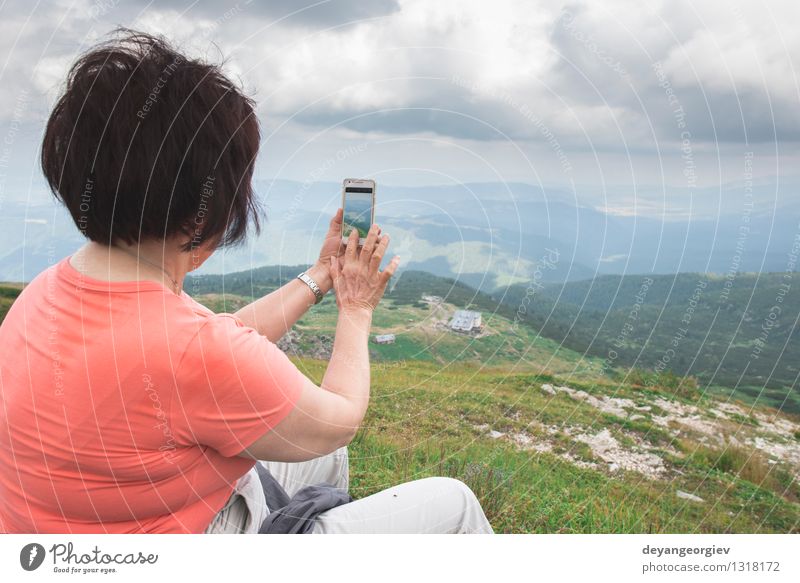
(387, 273)
(352, 246)
(334, 270)
(336, 220)
(377, 255)
(369, 243)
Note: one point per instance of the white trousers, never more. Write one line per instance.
(429, 505)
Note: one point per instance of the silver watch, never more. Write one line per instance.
(307, 279)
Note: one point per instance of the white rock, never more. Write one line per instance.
(675, 407)
(578, 462)
(688, 496)
(661, 421)
(542, 447)
(788, 452)
(527, 442)
(522, 439)
(777, 425)
(706, 427)
(733, 409)
(607, 448)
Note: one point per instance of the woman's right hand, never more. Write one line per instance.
(357, 280)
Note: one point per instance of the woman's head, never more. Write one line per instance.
(145, 144)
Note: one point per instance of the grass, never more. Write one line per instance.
(749, 465)
(422, 422)
(421, 335)
(432, 390)
(763, 396)
(8, 293)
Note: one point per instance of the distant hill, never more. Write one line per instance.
(740, 332)
(406, 288)
(251, 283)
(735, 334)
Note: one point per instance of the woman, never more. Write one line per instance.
(128, 406)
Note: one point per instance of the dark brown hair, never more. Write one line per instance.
(146, 143)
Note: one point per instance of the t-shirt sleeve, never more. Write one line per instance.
(232, 386)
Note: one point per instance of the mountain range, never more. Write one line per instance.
(489, 235)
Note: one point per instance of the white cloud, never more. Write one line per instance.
(578, 71)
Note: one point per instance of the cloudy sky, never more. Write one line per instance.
(623, 100)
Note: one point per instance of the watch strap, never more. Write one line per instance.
(309, 281)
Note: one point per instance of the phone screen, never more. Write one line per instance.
(357, 210)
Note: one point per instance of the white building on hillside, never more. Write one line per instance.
(385, 339)
(466, 321)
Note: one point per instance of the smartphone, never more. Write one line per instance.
(358, 203)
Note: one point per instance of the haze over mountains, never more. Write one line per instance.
(488, 234)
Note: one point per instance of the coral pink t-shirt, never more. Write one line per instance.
(124, 406)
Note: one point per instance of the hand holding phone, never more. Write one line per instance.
(358, 204)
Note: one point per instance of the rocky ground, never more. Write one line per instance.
(318, 346)
(725, 425)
